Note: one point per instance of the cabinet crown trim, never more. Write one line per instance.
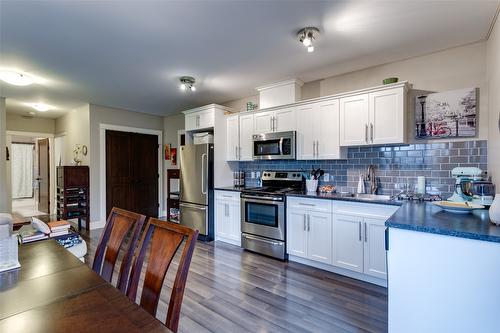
(298, 82)
(208, 108)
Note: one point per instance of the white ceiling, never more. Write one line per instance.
(130, 55)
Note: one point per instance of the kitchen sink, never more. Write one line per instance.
(374, 197)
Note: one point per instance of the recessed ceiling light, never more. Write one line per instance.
(40, 106)
(306, 36)
(16, 78)
(187, 82)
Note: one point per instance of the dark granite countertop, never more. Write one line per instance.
(343, 197)
(426, 217)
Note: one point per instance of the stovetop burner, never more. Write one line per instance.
(278, 183)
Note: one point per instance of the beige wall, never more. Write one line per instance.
(4, 200)
(493, 70)
(460, 67)
(75, 127)
(117, 117)
(17, 122)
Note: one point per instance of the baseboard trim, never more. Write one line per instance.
(97, 224)
(338, 270)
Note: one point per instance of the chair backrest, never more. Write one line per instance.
(120, 222)
(165, 238)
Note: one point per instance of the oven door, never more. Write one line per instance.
(274, 146)
(263, 216)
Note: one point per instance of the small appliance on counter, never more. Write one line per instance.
(263, 213)
(472, 185)
(239, 178)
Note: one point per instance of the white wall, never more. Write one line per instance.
(4, 200)
(118, 117)
(493, 70)
(75, 126)
(16, 122)
(171, 126)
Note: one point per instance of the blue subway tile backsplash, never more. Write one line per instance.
(393, 164)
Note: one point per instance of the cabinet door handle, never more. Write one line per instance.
(317, 148)
(366, 133)
(308, 222)
(314, 148)
(304, 222)
(275, 120)
(366, 233)
(359, 230)
(271, 122)
(225, 210)
(236, 152)
(371, 132)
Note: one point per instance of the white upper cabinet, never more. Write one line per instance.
(377, 117)
(280, 120)
(239, 137)
(232, 138)
(203, 117)
(354, 120)
(318, 131)
(387, 116)
(246, 132)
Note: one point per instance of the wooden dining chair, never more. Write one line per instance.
(119, 224)
(165, 239)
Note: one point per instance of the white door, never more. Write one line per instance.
(235, 221)
(285, 120)
(354, 120)
(222, 219)
(191, 121)
(306, 136)
(327, 131)
(387, 116)
(374, 248)
(348, 242)
(246, 132)
(232, 140)
(296, 231)
(206, 119)
(319, 238)
(263, 122)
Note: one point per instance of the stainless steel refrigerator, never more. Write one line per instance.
(197, 189)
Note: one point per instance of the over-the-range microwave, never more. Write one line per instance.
(274, 146)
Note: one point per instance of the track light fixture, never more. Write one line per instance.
(306, 36)
(187, 82)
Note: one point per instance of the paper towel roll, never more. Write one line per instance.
(421, 185)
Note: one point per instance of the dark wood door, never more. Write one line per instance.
(132, 172)
(43, 176)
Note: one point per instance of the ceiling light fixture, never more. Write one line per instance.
(40, 106)
(306, 36)
(187, 82)
(16, 78)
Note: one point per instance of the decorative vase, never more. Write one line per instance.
(311, 185)
(495, 210)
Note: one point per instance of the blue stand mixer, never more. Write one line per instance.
(473, 186)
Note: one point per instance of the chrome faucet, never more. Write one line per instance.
(370, 176)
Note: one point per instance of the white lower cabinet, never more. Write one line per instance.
(346, 236)
(309, 230)
(227, 217)
(347, 242)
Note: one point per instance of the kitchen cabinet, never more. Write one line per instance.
(239, 143)
(377, 117)
(318, 131)
(374, 248)
(280, 120)
(309, 229)
(348, 242)
(228, 217)
(199, 120)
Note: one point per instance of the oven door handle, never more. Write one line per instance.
(262, 240)
(260, 199)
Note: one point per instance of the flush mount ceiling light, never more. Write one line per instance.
(40, 106)
(187, 82)
(306, 36)
(16, 78)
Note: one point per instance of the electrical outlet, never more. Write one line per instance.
(257, 174)
(326, 177)
(252, 174)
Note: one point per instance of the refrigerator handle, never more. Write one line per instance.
(203, 171)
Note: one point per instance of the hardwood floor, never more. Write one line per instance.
(231, 290)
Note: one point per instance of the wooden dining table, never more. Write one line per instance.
(53, 291)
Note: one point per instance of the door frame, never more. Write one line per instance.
(52, 165)
(102, 164)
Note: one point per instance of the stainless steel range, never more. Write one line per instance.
(263, 213)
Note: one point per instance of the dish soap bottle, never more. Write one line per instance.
(361, 184)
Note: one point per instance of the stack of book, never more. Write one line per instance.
(28, 234)
(59, 228)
